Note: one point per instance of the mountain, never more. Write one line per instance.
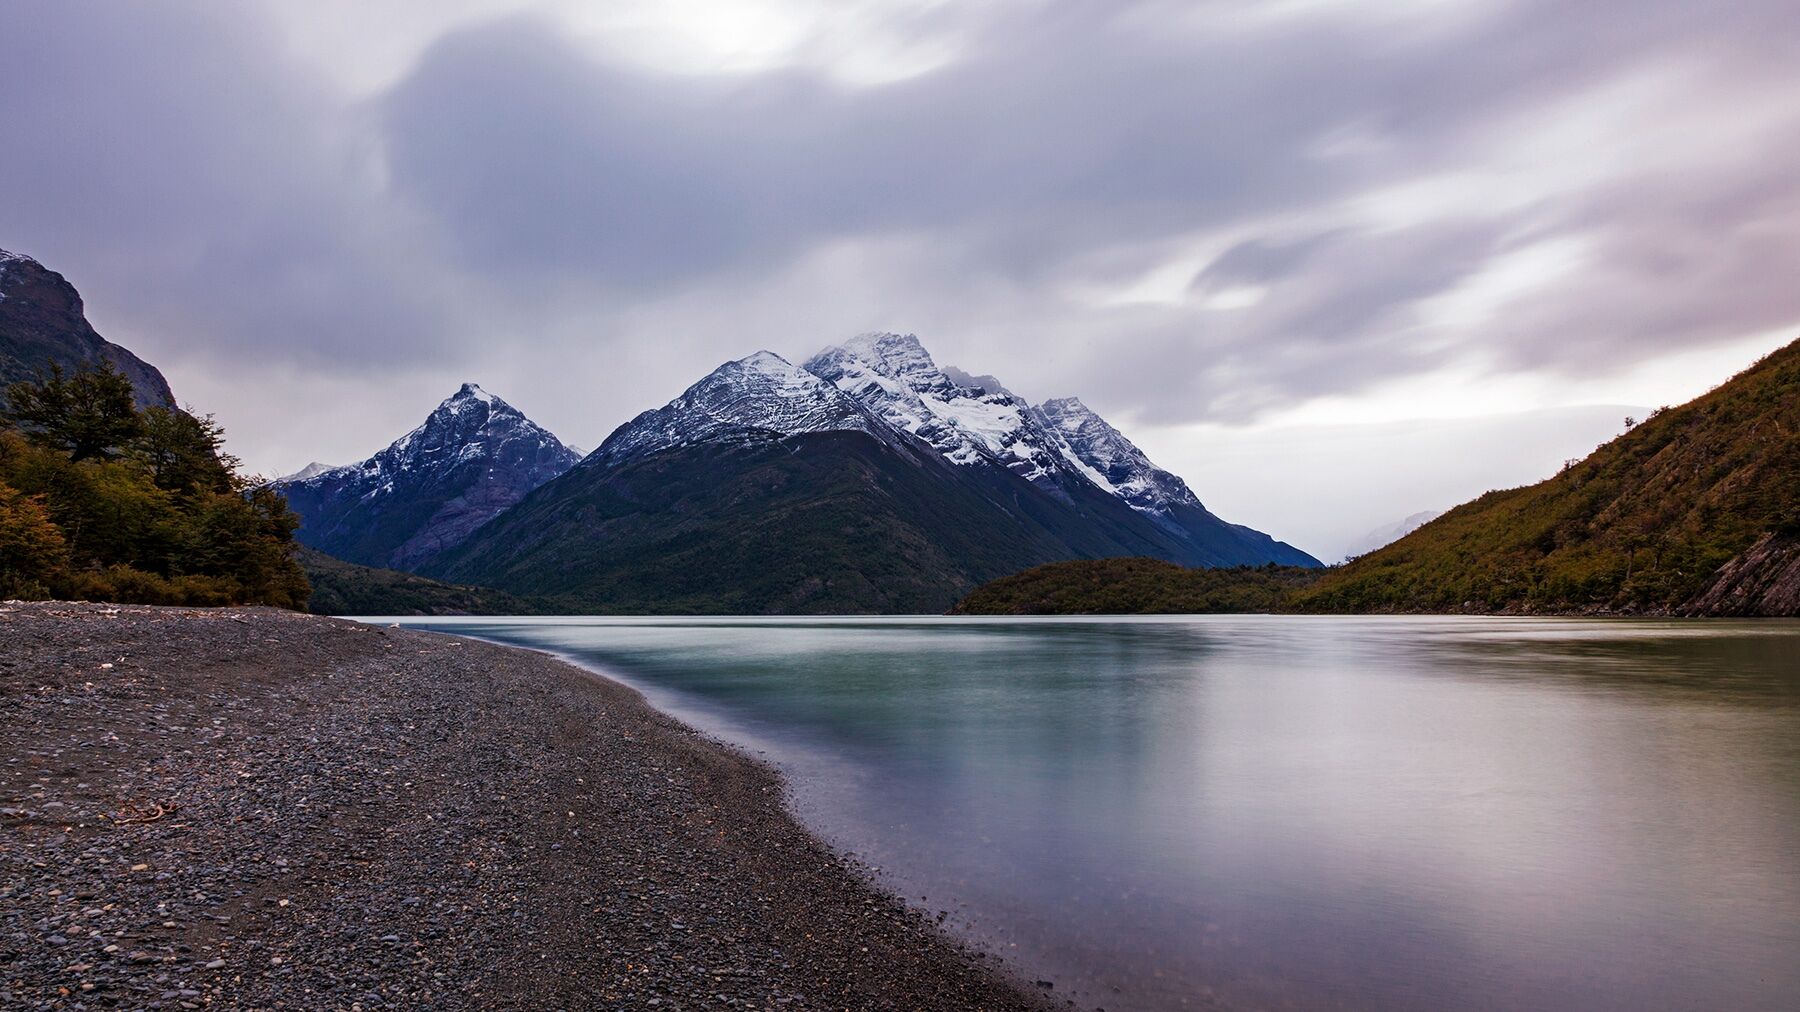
(309, 471)
(471, 459)
(1695, 510)
(749, 401)
(1386, 535)
(867, 482)
(1061, 446)
(42, 322)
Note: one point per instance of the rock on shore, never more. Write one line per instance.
(252, 808)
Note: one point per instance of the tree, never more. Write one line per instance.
(184, 452)
(101, 502)
(89, 415)
(32, 549)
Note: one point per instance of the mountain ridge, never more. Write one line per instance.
(767, 487)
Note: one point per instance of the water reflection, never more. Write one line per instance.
(1289, 812)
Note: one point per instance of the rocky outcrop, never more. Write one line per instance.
(42, 322)
(1763, 580)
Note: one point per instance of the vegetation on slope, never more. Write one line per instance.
(1642, 524)
(1136, 587)
(103, 501)
(345, 588)
(820, 523)
(1695, 511)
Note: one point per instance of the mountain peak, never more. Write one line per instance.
(895, 377)
(1111, 460)
(469, 394)
(755, 398)
(472, 457)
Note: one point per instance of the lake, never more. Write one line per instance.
(1284, 812)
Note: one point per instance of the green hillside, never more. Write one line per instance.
(1642, 524)
(1694, 511)
(820, 523)
(1136, 587)
(345, 588)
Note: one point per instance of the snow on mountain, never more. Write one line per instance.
(986, 384)
(474, 456)
(761, 397)
(1112, 461)
(43, 323)
(7, 259)
(468, 425)
(311, 470)
(1386, 535)
(895, 377)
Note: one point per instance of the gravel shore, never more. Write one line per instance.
(250, 808)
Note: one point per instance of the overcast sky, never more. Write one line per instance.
(1335, 262)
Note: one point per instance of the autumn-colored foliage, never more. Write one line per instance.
(102, 501)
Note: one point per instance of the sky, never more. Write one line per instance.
(1333, 262)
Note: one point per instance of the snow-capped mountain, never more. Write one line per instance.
(1112, 461)
(869, 480)
(1060, 446)
(471, 459)
(896, 378)
(311, 470)
(753, 399)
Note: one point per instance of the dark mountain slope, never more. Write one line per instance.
(473, 457)
(767, 488)
(42, 322)
(1645, 523)
(809, 523)
(345, 588)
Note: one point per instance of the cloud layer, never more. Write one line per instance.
(1186, 213)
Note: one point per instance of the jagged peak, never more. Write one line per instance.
(470, 394)
(891, 352)
(988, 384)
(752, 398)
(769, 364)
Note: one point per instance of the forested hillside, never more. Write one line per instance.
(101, 500)
(1644, 523)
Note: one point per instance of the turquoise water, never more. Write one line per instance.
(1258, 812)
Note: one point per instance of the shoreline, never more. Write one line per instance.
(249, 807)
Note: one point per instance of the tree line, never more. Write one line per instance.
(101, 500)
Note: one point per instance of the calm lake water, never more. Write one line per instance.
(1358, 813)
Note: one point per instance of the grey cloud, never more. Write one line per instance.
(195, 185)
(516, 197)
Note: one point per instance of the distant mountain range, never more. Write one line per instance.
(866, 480)
(42, 322)
(1386, 535)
